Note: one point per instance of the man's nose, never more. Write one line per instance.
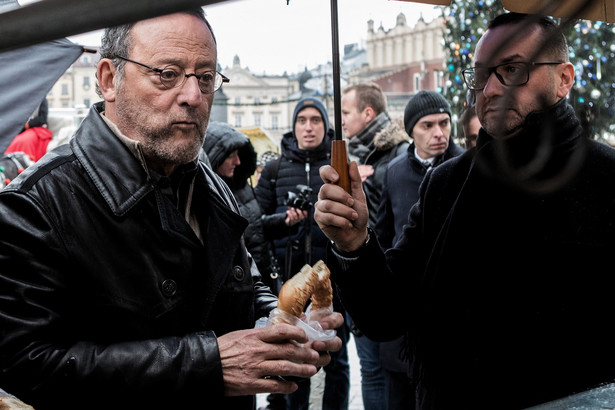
(493, 86)
(190, 93)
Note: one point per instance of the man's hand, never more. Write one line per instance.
(248, 356)
(365, 171)
(294, 216)
(340, 215)
(331, 320)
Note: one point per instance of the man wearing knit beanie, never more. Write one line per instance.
(422, 104)
(427, 119)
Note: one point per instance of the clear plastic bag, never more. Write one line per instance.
(308, 322)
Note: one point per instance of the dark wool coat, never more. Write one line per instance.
(107, 296)
(382, 140)
(295, 167)
(401, 190)
(503, 277)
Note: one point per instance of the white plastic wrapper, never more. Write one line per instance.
(308, 322)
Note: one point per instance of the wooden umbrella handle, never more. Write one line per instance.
(339, 161)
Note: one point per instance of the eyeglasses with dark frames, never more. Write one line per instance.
(173, 76)
(509, 74)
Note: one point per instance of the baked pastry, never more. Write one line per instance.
(296, 291)
(310, 283)
(322, 297)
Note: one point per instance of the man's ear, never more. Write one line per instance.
(106, 75)
(565, 79)
(369, 114)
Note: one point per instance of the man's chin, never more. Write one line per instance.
(502, 133)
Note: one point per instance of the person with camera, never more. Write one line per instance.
(293, 181)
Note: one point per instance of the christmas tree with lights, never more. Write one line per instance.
(465, 23)
(591, 44)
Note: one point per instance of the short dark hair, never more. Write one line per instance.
(554, 42)
(369, 95)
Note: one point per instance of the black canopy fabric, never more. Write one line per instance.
(26, 76)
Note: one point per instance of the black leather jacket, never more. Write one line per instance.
(107, 297)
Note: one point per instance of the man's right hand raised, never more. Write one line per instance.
(342, 216)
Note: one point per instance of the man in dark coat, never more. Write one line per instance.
(124, 281)
(374, 139)
(304, 150)
(427, 118)
(517, 324)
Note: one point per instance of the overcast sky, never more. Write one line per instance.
(272, 37)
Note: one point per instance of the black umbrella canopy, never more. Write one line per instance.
(79, 16)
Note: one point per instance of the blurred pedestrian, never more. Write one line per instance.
(35, 136)
(374, 140)
(293, 181)
(266, 157)
(39, 117)
(511, 327)
(468, 120)
(124, 280)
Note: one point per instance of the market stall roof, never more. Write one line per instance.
(597, 10)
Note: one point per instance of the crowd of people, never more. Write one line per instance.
(136, 260)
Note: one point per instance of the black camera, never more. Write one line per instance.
(300, 200)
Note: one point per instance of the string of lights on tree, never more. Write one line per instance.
(591, 44)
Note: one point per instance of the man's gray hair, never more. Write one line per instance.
(117, 42)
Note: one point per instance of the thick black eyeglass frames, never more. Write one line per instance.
(509, 74)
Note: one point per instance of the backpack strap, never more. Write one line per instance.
(276, 170)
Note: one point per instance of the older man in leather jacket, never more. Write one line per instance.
(124, 279)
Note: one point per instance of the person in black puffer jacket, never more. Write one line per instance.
(304, 151)
(232, 156)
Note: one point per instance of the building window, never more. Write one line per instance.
(258, 119)
(274, 121)
(417, 82)
(64, 89)
(238, 120)
(86, 82)
(237, 100)
(257, 100)
(86, 102)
